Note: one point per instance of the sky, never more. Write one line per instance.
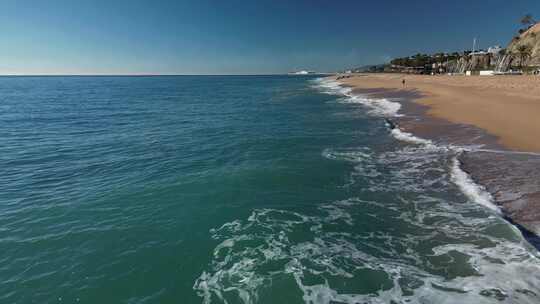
(241, 37)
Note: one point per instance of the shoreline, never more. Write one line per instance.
(507, 168)
(507, 107)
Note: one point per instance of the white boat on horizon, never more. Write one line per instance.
(302, 72)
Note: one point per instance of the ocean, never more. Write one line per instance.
(239, 189)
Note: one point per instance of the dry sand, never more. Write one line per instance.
(505, 106)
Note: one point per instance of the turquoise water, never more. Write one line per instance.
(237, 189)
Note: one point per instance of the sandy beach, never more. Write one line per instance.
(497, 112)
(507, 107)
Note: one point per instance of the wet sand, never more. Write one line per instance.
(512, 177)
(507, 107)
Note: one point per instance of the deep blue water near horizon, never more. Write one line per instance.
(234, 189)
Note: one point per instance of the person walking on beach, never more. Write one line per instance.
(403, 82)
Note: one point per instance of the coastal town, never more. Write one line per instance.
(521, 56)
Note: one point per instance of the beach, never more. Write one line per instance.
(493, 119)
(507, 107)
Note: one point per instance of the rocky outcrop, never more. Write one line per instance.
(471, 62)
(481, 62)
(531, 38)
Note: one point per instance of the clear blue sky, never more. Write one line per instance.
(240, 37)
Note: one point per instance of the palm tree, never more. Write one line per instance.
(524, 52)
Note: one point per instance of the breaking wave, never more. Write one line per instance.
(473, 191)
(404, 236)
(377, 106)
(276, 248)
(408, 137)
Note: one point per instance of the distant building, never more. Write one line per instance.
(411, 70)
(478, 53)
(494, 50)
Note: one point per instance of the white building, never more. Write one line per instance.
(495, 50)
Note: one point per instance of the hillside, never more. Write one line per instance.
(530, 37)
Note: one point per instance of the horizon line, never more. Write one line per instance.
(151, 75)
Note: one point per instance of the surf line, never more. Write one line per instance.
(461, 178)
(505, 152)
(392, 125)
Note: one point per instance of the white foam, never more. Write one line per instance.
(386, 108)
(271, 245)
(506, 152)
(350, 155)
(475, 192)
(410, 138)
(377, 106)
(514, 271)
(331, 87)
(472, 190)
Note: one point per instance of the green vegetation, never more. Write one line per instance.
(421, 60)
(523, 52)
(528, 20)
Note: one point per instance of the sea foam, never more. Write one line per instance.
(297, 248)
(409, 137)
(326, 252)
(472, 190)
(378, 106)
(385, 108)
